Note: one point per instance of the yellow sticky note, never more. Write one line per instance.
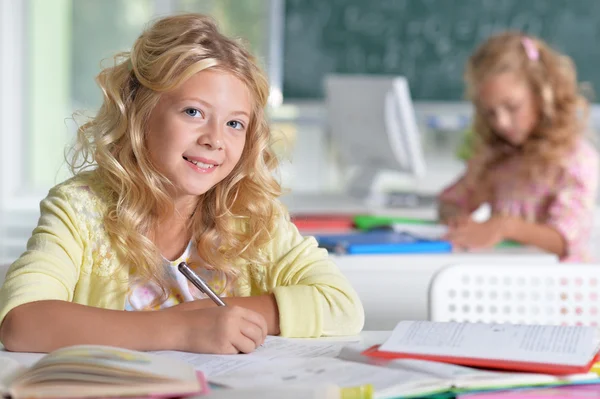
(359, 392)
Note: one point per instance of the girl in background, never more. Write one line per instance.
(531, 161)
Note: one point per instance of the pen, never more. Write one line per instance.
(199, 283)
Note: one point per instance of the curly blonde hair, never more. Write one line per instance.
(236, 217)
(553, 79)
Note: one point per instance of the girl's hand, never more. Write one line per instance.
(458, 222)
(222, 330)
(447, 212)
(472, 235)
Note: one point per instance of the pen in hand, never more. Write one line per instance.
(199, 283)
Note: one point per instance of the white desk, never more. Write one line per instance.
(396, 287)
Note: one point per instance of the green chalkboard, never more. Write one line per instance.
(428, 41)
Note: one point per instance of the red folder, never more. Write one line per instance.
(530, 367)
(324, 223)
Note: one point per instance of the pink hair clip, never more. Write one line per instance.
(530, 49)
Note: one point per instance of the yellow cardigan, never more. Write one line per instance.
(69, 257)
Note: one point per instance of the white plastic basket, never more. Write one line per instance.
(561, 294)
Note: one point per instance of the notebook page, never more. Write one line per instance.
(214, 365)
(565, 345)
(445, 370)
(468, 377)
(460, 376)
(429, 231)
(333, 371)
(273, 348)
(321, 391)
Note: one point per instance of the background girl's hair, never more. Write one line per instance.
(553, 79)
(234, 219)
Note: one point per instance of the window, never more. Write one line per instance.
(50, 52)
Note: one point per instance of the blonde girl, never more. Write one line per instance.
(176, 166)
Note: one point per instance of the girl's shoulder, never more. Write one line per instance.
(83, 191)
(583, 155)
(584, 146)
(581, 163)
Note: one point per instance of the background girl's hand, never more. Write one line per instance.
(222, 330)
(459, 221)
(472, 235)
(448, 211)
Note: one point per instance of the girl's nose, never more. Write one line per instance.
(502, 121)
(212, 137)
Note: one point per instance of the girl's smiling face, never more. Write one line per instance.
(197, 132)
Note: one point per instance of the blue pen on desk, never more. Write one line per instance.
(199, 283)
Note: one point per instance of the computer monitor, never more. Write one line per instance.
(372, 125)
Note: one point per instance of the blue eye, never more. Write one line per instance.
(193, 112)
(235, 124)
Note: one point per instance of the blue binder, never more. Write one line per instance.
(381, 242)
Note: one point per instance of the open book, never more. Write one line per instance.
(545, 349)
(99, 371)
(402, 378)
(284, 361)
